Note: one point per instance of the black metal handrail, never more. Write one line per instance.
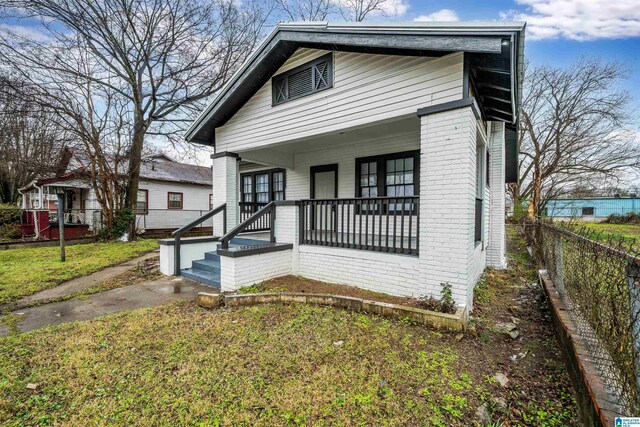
(269, 208)
(184, 229)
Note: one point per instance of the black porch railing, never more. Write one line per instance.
(267, 211)
(248, 209)
(381, 224)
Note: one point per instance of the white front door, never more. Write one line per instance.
(324, 186)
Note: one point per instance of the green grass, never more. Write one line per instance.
(278, 365)
(267, 365)
(629, 231)
(26, 271)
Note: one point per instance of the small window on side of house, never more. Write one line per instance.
(175, 201)
(142, 204)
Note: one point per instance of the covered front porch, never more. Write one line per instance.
(356, 188)
(401, 206)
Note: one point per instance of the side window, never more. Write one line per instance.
(175, 201)
(142, 205)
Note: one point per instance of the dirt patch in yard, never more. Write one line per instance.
(510, 336)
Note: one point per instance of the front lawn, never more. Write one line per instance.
(26, 271)
(274, 365)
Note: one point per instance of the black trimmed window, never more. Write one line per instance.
(306, 79)
(588, 211)
(263, 186)
(389, 175)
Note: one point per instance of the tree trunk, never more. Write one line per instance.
(533, 212)
(135, 155)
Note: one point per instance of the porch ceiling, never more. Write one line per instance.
(282, 154)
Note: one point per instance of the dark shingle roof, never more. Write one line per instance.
(175, 172)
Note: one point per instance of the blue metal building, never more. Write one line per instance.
(592, 208)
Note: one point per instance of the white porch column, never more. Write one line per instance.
(447, 198)
(225, 190)
(496, 251)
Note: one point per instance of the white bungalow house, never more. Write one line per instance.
(375, 154)
(170, 193)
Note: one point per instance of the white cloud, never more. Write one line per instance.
(441, 15)
(578, 19)
(394, 7)
(31, 33)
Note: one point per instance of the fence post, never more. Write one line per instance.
(61, 202)
(633, 278)
(559, 273)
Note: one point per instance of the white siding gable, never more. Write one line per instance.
(367, 88)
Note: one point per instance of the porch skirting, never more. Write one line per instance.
(381, 272)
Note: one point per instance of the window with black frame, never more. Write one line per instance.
(389, 175)
(261, 187)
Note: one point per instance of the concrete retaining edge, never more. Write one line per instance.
(596, 405)
(456, 322)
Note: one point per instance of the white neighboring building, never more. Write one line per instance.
(378, 154)
(170, 193)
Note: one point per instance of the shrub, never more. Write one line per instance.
(630, 218)
(445, 304)
(122, 220)
(10, 231)
(9, 214)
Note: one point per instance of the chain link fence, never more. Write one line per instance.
(598, 278)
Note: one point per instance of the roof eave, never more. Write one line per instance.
(436, 28)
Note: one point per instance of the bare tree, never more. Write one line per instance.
(160, 58)
(305, 10)
(30, 141)
(358, 10)
(349, 10)
(573, 131)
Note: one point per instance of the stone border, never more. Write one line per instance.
(450, 322)
(596, 405)
(45, 243)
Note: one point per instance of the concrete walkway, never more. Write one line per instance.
(84, 282)
(130, 297)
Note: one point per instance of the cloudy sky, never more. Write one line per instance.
(558, 31)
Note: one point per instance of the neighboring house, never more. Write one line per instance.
(170, 193)
(591, 208)
(382, 151)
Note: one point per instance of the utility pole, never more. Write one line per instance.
(61, 225)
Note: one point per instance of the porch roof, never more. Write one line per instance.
(495, 52)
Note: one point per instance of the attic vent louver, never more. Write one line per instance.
(303, 80)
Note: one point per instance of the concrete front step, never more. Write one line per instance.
(212, 265)
(207, 270)
(202, 276)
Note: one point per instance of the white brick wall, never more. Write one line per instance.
(447, 201)
(248, 270)
(287, 230)
(496, 252)
(388, 273)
